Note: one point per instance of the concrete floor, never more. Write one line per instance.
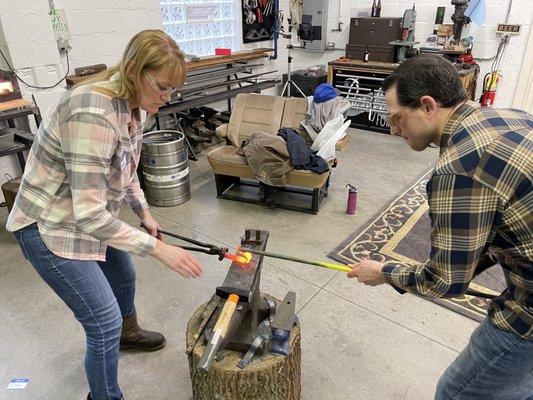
(357, 342)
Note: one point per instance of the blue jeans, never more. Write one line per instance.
(494, 365)
(99, 294)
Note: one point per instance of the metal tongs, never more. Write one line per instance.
(209, 248)
(206, 248)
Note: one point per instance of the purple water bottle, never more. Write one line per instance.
(351, 206)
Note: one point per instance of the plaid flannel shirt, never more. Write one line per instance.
(481, 209)
(80, 169)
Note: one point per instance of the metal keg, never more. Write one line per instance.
(165, 166)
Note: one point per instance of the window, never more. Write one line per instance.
(199, 26)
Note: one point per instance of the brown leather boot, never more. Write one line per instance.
(134, 337)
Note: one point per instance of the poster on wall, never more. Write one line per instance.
(200, 13)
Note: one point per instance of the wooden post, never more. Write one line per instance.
(267, 377)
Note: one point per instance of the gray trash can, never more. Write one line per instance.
(165, 166)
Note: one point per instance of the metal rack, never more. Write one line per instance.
(212, 79)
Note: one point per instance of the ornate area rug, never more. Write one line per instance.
(400, 232)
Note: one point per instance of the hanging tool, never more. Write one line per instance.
(259, 15)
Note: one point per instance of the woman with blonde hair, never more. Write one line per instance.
(80, 170)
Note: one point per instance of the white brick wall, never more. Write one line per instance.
(100, 30)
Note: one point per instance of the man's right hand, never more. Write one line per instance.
(178, 259)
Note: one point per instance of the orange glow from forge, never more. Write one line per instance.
(242, 258)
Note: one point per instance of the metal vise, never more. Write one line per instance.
(235, 327)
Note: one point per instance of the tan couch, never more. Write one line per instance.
(235, 180)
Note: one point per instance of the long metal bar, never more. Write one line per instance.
(213, 98)
(353, 87)
(338, 267)
(188, 90)
(370, 78)
(205, 76)
(322, 264)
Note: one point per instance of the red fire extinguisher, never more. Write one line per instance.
(490, 83)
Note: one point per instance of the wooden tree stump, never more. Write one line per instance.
(266, 377)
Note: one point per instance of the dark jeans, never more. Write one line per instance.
(99, 294)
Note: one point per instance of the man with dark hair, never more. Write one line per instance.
(481, 209)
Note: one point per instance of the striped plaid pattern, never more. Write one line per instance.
(481, 209)
(80, 169)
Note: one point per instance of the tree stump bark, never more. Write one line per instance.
(266, 377)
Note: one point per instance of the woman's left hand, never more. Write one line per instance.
(150, 224)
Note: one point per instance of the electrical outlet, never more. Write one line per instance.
(63, 45)
(509, 29)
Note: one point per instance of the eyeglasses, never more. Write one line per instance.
(158, 87)
(393, 119)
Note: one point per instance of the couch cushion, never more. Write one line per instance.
(224, 160)
(254, 112)
(294, 113)
(307, 178)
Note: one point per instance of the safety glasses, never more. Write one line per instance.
(161, 89)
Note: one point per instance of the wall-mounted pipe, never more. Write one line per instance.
(275, 28)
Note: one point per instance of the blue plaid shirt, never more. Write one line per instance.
(481, 209)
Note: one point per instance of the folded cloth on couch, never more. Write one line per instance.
(318, 114)
(301, 155)
(268, 158)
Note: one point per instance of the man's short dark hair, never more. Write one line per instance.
(426, 75)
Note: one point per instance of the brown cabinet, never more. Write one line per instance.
(373, 35)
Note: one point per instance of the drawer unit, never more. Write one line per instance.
(375, 53)
(360, 83)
